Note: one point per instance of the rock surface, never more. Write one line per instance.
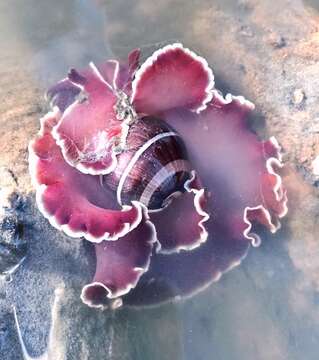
(266, 308)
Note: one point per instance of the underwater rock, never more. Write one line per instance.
(13, 245)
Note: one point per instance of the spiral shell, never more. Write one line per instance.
(153, 167)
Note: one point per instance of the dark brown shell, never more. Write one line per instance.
(153, 166)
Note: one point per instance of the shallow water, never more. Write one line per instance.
(267, 308)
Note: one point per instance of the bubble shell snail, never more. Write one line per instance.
(154, 166)
(157, 169)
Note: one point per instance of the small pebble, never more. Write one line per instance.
(298, 96)
(278, 42)
(315, 166)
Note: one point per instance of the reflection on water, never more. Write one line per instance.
(57, 35)
(265, 309)
(312, 3)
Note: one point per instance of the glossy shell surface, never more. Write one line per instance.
(153, 166)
